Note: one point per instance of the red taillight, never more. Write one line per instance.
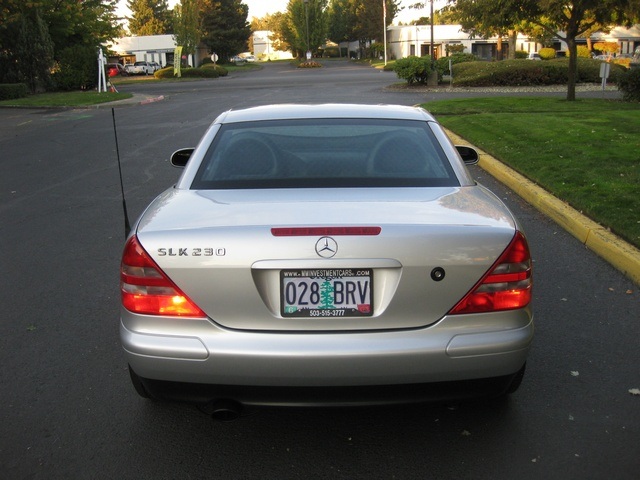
(506, 286)
(147, 290)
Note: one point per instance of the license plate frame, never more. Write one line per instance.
(326, 293)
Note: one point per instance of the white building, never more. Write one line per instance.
(628, 39)
(265, 49)
(403, 41)
(152, 48)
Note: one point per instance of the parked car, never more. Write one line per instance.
(237, 59)
(156, 66)
(534, 56)
(325, 255)
(115, 69)
(140, 68)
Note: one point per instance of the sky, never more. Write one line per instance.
(259, 8)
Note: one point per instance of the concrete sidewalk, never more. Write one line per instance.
(622, 255)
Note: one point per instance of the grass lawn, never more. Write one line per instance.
(66, 99)
(586, 152)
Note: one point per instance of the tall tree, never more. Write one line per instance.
(35, 49)
(306, 26)
(569, 20)
(489, 18)
(361, 20)
(186, 25)
(440, 17)
(71, 25)
(273, 23)
(369, 18)
(149, 17)
(341, 20)
(225, 30)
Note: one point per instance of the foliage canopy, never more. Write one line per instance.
(37, 36)
(224, 27)
(149, 17)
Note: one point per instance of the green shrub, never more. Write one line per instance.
(521, 54)
(166, 72)
(547, 53)
(515, 73)
(206, 71)
(413, 69)
(222, 72)
(629, 84)
(377, 50)
(625, 62)
(9, 91)
(77, 68)
(454, 48)
(583, 52)
(331, 52)
(442, 64)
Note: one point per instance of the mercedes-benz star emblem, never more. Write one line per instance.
(326, 247)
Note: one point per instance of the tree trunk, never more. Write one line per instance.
(513, 44)
(573, 68)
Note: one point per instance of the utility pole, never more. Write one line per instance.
(306, 14)
(433, 61)
(384, 26)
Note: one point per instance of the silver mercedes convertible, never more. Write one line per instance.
(325, 255)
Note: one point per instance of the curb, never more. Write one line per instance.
(152, 100)
(136, 99)
(622, 255)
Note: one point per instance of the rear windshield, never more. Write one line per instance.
(324, 153)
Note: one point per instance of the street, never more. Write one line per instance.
(68, 410)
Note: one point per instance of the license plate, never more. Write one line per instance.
(340, 292)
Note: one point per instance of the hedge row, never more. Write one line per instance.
(208, 70)
(629, 85)
(518, 73)
(442, 64)
(9, 91)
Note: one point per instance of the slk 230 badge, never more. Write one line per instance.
(192, 252)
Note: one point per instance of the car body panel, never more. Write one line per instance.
(454, 349)
(425, 248)
(443, 228)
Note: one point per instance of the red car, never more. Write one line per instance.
(115, 69)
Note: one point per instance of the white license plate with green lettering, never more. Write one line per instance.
(340, 292)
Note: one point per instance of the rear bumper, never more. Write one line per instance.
(203, 394)
(197, 358)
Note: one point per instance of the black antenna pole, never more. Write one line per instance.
(127, 226)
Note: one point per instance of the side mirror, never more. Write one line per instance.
(179, 158)
(469, 155)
